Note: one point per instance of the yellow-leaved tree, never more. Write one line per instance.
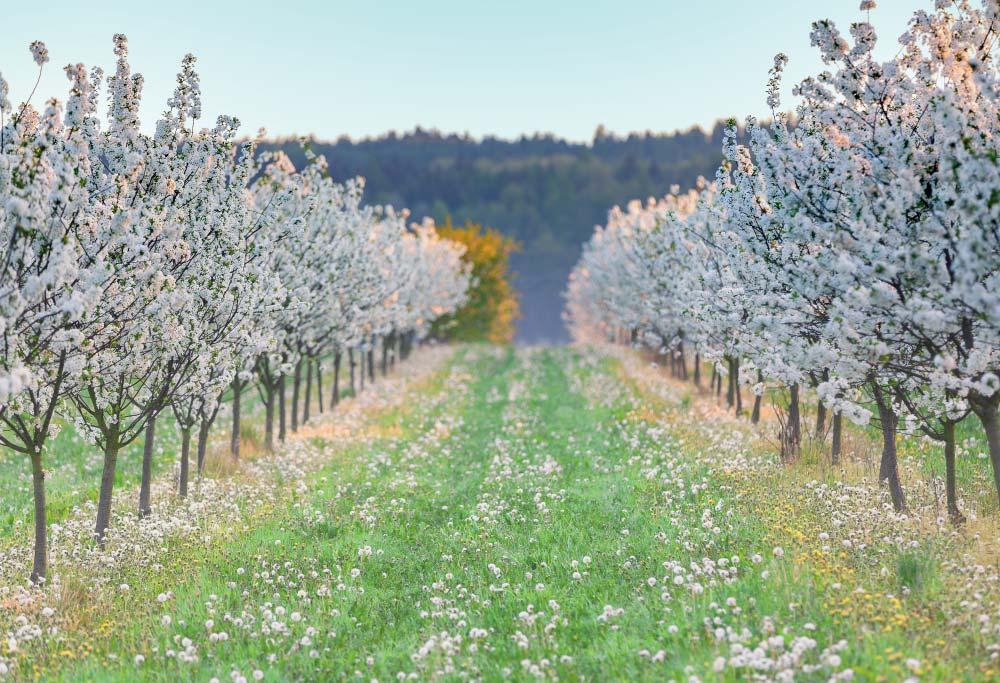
(493, 306)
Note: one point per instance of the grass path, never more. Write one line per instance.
(528, 515)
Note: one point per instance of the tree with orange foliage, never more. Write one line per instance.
(493, 306)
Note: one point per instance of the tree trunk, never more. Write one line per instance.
(697, 369)
(145, 485)
(730, 385)
(794, 419)
(234, 440)
(308, 396)
(820, 420)
(111, 447)
(682, 361)
(353, 364)
(203, 430)
(986, 411)
(838, 426)
(41, 557)
(335, 399)
(296, 385)
(281, 410)
(758, 398)
(362, 372)
(319, 386)
(736, 386)
(182, 484)
(269, 420)
(888, 471)
(371, 360)
(821, 410)
(951, 492)
(385, 356)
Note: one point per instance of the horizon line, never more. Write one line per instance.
(494, 137)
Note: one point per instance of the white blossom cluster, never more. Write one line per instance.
(853, 247)
(143, 273)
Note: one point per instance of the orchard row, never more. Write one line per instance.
(852, 247)
(145, 273)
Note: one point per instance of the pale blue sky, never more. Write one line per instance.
(504, 67)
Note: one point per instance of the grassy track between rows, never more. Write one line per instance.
(532, 515)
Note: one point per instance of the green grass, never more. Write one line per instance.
(73, 472)
(73, 466)
(973, 471)
(515, 516)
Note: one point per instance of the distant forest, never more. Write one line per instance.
(545, 192)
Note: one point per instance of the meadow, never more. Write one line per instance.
(536, 513)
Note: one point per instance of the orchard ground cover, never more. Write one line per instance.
(540, 513)
(73, 472)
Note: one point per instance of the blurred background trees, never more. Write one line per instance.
(545, 192)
